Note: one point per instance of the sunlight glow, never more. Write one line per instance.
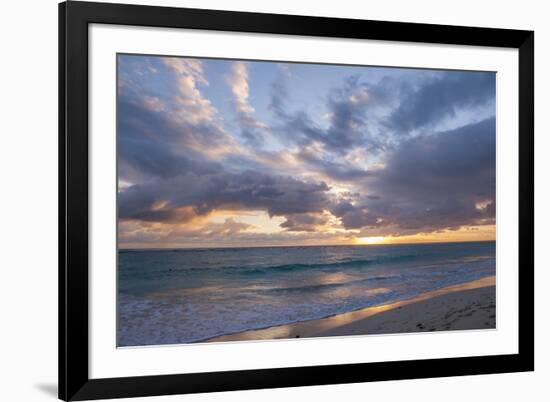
(370, 240)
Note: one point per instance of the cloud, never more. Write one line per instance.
(227, 234)
(307, 222)
(350, 109)
(278, 195)
(375, 115)
(329, 167)
(442, 97)
(430, 183)
(348, 116)
(148, 144)
(279, 98)
(190, 105)
(133, 232)
(169, 134)
(355, 217)
(238, 81)
(186, 67)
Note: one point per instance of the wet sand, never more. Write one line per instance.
(465, 306)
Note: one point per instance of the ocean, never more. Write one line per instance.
(190, 295)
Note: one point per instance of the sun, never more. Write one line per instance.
(370, 240)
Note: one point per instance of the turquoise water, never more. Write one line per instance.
(182, 296)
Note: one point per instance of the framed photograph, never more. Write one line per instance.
(258, 201)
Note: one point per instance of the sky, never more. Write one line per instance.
(231, 153)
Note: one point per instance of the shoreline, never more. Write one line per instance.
(469, 305)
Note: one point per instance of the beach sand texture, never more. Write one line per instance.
(460, 307)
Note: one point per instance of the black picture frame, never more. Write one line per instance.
(74, 18)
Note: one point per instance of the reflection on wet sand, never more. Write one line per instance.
(330, 326)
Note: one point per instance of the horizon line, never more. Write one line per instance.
(304, 245)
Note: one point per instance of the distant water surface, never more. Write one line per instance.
(189, 295)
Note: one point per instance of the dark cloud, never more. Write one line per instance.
(441, 181)
(354, 216)
(458, 161)
(441, 98)
(304, 222)
(278, 195)
(150, 144)
(149, 155)
(348, 117)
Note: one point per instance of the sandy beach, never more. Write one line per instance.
(465, 306)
